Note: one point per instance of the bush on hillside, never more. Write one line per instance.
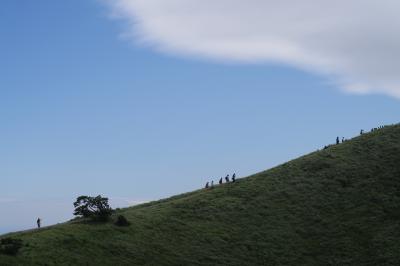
(122, 221)
(96, 208)
(10, 246)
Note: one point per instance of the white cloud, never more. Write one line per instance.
(122, 202)
(354, 42)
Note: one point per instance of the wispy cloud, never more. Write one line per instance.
(120, 202)
(355, 43)
(8, 200)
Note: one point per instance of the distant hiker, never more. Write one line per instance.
(212, 184)
(227, 178)
(207, 185)
(361, 131)
(38, 221)
(220, 181)
(337, 140)
(233, 177)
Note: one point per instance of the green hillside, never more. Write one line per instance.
(337, 206)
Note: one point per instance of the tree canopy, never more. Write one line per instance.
(92, 207)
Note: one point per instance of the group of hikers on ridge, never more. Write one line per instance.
(227, 180)
(361, 133)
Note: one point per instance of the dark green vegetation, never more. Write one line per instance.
(95, 208)
(339, 206)
(122, 221)
(10, 246)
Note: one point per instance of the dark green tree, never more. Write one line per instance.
(96, 208)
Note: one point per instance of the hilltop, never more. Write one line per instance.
(337, 206)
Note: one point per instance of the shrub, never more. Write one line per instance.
(10, 246)
(96, 208)
(122, 221)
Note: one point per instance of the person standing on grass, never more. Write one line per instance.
(38, 221)
(207, 185)
(337, 141)
(234, 177)
(220, 181)
(227, 178)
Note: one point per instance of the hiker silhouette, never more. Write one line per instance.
(38, 221)
(234, 177)
(337, 140)
(207, 185)
(220, 181)
(227, 178)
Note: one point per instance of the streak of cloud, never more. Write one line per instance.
(355, 43)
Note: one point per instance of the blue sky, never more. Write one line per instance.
(86, 111)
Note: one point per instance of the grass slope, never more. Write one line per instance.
(339, 206)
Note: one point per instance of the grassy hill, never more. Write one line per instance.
(338, 206)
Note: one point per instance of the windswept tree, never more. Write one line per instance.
(96, 208)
